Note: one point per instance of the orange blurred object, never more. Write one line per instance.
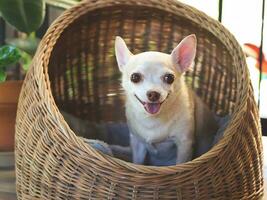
(253, 51)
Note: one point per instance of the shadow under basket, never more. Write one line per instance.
(75, 70)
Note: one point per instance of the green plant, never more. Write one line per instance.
(26, 16)
(8, 55)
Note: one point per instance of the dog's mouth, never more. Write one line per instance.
(151, 108)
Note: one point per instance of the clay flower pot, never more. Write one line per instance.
(9, 94)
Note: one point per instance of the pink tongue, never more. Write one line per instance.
(152, 108)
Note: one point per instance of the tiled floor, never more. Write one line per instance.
(7, 176)
(7, 196)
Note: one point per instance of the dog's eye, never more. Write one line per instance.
(168, 78)
(136, 77)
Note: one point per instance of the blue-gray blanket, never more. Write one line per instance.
(117, 136)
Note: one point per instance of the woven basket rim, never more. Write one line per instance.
(60, 24)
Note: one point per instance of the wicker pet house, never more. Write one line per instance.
(75, 70)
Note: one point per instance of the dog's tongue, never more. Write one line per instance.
(152, 108)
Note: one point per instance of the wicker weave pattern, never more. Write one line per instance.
(72, 69)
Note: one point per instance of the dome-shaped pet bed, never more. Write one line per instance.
(75, 70)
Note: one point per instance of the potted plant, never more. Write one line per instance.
(9, 92)
(26, 16)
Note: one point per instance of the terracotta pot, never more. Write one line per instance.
(9, 94)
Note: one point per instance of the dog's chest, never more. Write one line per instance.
(156, 130)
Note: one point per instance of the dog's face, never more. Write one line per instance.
(149, 78)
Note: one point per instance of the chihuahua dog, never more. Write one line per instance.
(159, 105)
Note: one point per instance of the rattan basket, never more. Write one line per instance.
(75, 70)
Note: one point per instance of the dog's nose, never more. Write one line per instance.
(153, 96)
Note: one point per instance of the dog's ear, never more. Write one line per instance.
(184, 54)
(122, 52)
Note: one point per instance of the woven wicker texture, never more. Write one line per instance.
(75, 70)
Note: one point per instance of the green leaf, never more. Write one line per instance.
(25, 15)
(8, 55)
(2, 75)
(28, 44)
(26, 60)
